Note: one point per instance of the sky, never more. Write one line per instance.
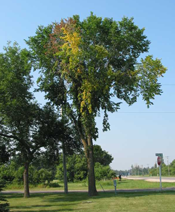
(137, 133)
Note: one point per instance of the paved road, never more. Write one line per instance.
(152, 179)
(85, 191)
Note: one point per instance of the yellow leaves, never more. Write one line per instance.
(72, 41)
(79, 71)
(86, 102)
(85, 98)
(70, 48)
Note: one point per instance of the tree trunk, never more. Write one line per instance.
(26, 180)
(90, 162)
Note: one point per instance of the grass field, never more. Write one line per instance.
(124, 184)
(104, 202)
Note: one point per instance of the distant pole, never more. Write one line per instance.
(142, 169)
(159, 162)
(115, 185)
(168, 165)
(157, 169)
(160, 177)
(65, 171)
(148, 168)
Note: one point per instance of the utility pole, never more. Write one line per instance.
(64, 160)
(65, 169)
(148, 168)
(168, 165)
(157, 168)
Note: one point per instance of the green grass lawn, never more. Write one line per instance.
(81, 202)
(124, 184)
(133, 184)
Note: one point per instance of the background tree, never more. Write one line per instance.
(4, 157)
(90, 66)
(24, 126)
(77, 165)
(101, 156)
(103, 172)
(76, 168)
(4, 206)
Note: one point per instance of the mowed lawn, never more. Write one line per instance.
(107, 202)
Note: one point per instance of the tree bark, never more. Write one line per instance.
(90, 162)
(26, 180)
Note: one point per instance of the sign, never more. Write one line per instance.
(159, 160)
(159, 155)
(115, 185)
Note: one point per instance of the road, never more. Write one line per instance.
(85, 191)
(152, 179)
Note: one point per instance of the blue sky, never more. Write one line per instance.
(137, 133)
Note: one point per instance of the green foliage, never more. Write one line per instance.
(4, 175)
(25, 127)
(97, 60)
(4, 205)
(13, 174)
(7, 172)
(19, 175)
(53, 185)
(164, 169)
(45, 175)
(172, 168)
(17, 110)
(136, 170)
(101, 156)
(103, 172)
(41, 173)
(23, 124)
(76, 168)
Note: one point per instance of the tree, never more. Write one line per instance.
(15, 100)
(4, 206)
(103, 172)
(4, 157)
(92, 66)
(101, 156)
(77, 165)
(172, 167)
(76, 168)
(24, 126)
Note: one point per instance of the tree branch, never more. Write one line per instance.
(9, 136)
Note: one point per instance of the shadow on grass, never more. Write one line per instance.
(69, 209)
(35, 208)
(67, 202)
